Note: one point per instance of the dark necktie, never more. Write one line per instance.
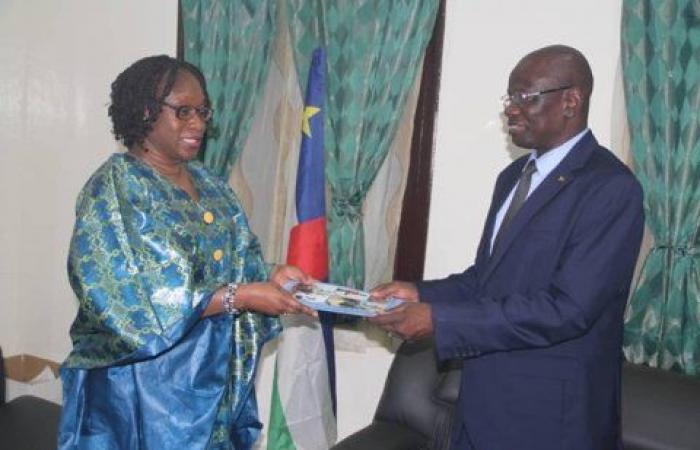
(519, 198)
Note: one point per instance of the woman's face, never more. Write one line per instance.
(175, 140)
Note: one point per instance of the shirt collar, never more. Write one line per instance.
(551, 159)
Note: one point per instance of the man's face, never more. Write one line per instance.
(538, 122)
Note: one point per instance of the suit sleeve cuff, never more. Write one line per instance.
(451, 340)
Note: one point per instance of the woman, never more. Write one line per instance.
(174, 302)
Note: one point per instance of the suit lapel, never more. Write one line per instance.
(559, 178)
(504, 185)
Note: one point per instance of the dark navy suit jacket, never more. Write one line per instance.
(539, 323)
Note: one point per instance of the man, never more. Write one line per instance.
(537, 320)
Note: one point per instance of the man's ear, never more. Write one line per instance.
(573, 99)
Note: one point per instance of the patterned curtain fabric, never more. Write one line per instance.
(231, 42)
(267, 190)
(374, 50)
(661, 63)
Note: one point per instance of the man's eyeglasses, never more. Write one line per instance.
(186, 112)
(523, 98)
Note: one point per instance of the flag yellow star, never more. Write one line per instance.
(309, 112)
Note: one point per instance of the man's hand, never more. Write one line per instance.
(411, 321)
(399, 289)
(282, 274)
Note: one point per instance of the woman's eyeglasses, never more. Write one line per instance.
(187, 112)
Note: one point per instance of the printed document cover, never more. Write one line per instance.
(341, 299)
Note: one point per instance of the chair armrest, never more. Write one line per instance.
(383, 435)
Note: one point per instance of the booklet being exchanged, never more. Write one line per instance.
(340, 299)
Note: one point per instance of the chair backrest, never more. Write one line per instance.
(418, 394)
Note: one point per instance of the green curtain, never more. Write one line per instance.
(374, 49)
(230, 41)
(661, 63)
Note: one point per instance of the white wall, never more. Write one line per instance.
(484, 39)
(57, 60)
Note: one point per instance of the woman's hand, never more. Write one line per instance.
(283, 274)
(268, 298)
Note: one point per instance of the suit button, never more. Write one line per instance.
(218, 254)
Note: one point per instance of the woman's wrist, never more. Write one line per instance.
(241, 302)
(229, 299)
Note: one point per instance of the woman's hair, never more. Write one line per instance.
(137, 94)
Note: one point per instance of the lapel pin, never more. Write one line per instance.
(561, 178)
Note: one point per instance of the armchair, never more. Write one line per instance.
(415, 409)
(660, 409)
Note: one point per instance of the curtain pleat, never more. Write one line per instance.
(230, 41)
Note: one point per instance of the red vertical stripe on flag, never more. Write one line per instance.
(308, 248)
